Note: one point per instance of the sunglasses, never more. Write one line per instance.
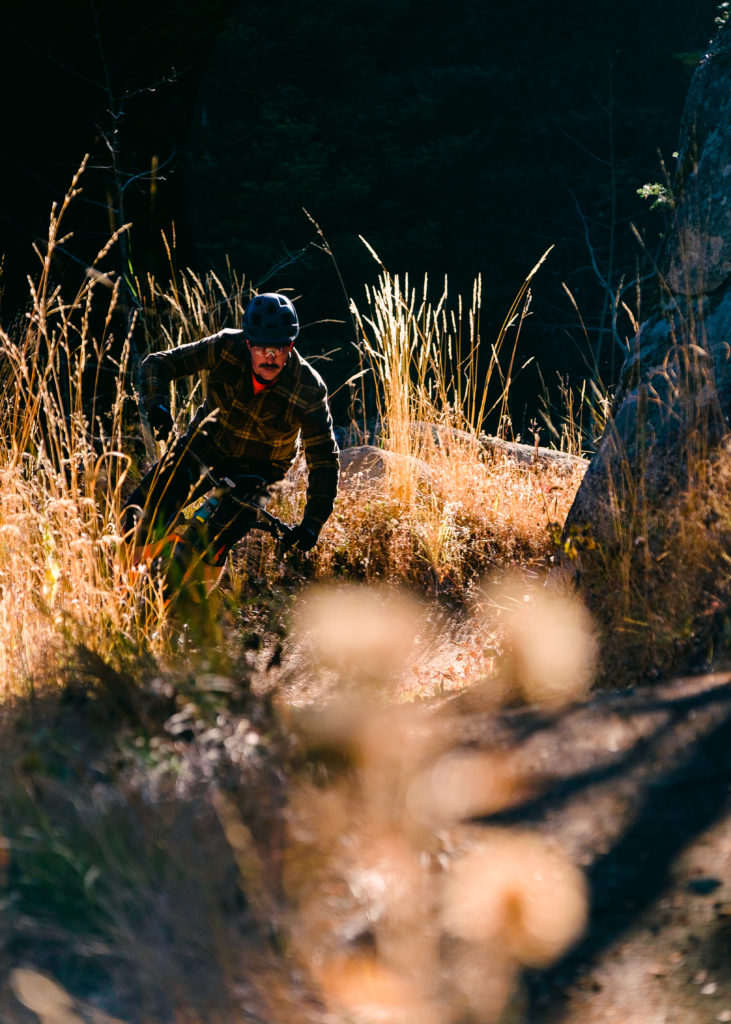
(271, 348)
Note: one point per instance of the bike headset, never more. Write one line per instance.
(270, 320)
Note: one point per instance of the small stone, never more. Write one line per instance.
(710, 989)
(703, 886)
(724, 1016)
(676, 957)
(657, 970)
(699, 977)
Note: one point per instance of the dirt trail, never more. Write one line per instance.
(635, 785)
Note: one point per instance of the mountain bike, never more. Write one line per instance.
(184, 562)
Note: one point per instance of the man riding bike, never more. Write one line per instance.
(261, 396)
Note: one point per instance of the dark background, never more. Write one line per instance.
(458, 139)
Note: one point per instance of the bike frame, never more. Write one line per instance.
(174, 544)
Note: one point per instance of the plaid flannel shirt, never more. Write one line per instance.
(262, 427)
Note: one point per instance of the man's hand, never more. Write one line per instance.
(160, 420)
(303, 537)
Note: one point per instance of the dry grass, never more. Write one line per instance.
(62, 471)
(652, 533)
(667, 567)
(448, 508)
(474, 512)
(148, 799)
(446, 512)
(72, 445)
(186, 308)
(443, 509)
(428, 362)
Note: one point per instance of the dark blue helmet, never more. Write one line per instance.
(270, 319)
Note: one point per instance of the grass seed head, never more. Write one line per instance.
(549, 642)
(463, 784)
(363, 634)
(515, 891)
(370, 992)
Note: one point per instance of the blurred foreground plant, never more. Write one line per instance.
(402, 911)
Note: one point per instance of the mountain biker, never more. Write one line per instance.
(261, 395)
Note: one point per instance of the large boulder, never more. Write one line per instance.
(366, 466)
(648, 534)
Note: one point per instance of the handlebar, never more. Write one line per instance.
(267, 522)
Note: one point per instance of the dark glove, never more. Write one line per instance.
(160, 420)
(303, 537)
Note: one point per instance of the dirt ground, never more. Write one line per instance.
(635, 786)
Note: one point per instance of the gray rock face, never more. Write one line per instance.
(366, 465)
(701, 260)
(661, 459)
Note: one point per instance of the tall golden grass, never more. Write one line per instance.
(448, 509)
(72, 447)
(150, 859)
(427, 359)
(62, 470)
(446, 512)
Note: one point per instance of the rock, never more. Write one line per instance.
(533, 455)
(642, 538)
(525, 454)
(703, 886)
(700, 260)
(366, 464)
(362, 466)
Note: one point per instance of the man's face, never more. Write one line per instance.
(267, 361)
